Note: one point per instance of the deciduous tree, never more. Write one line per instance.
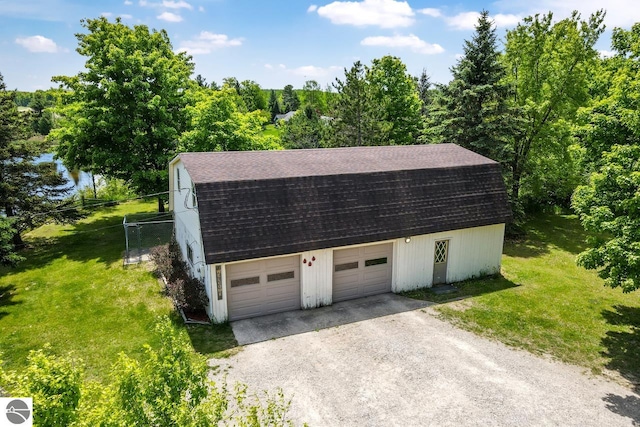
(132, 96)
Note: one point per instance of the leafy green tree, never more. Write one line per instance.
(547, 68)
(201, 81)
(218, 124)
(305, 130)
(290, 100)
(252, 95)
(357, 120)
(475, 103)
(394, 92)
(31, 192)
(131, 105)
(274, 105)
(609, 206)
(314, 96)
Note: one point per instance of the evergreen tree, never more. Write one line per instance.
(304, 130)
(31, 192)
(424, 87)
(474, 105)
(357, 119)
(290, 99)
(273, 105)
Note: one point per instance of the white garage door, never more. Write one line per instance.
(363, 271)
(256, 288)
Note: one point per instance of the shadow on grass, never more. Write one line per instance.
(466, 289)
(6, 298)
(545, 230)
(623, 347)
(209, 340)
(102, 239)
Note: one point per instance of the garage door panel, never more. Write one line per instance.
(277, 288)
(362, 271)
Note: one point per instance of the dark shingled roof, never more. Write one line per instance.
(256, 204)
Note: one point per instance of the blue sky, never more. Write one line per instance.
(274, 42)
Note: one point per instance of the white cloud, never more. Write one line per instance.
(106, 14)
(282, 66)
(312, 8)
(606, 53)
(411, 41)
(38, 44)
(268, 66)
(508, 20)
(169, 17)
(169, 4)
(206, 42)
(128, 2)
(126, 16)
(201, 8)
(312, 71)
(381, 13)
(430, 11)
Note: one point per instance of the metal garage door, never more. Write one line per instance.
(256, 288)
(362, 271)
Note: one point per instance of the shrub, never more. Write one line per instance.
(53, 382)
(187, 292)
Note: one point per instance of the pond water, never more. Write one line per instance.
(84, 179)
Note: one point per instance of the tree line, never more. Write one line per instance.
(560, 119)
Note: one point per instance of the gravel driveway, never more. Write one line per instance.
(410, 369)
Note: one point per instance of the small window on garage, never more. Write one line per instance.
(245, 281)
(190, 253)
(194, 200)
(280, 276)
(375, 261)
(346, 266)
(178, 178)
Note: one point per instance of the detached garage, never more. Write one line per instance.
(272, 231)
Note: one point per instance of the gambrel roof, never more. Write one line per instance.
(256, 204)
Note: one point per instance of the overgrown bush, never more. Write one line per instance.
(53, 382)
(187, 292)
(169, 386)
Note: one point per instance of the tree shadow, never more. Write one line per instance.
(627, 406)
(466, 289)
(102, 239)
(623, 347)
(7, 293)
(545, 230)
(212, 340)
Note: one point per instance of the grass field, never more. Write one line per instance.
(74, 293)
(547, 305)
(272, 130)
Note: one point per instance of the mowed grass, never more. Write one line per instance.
(272, 130)
(547, 305)
(73, 293)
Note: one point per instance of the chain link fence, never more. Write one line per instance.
(143, 232)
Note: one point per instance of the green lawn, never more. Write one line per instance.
(547, 305)
(74, 293)
(272, 130)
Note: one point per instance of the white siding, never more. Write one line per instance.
(219, 313)
(315, 280)
(472, 252)
(187, 224)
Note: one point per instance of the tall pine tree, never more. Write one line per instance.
(474, 106)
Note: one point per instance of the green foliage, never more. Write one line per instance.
(53, 382)
(290, 100)
(127, 109)
(357, 120)
(304, 130)
(217, 124)
(273, 105)
(394, 92)
(8, 255)
(474, 111)
(252, 95)
(610, 206)
(547, 67)
(313, 96)
(169, 387)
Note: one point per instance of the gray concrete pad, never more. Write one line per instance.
(412, 369)
(257, 329)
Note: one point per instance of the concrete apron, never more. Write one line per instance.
(258, 329)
